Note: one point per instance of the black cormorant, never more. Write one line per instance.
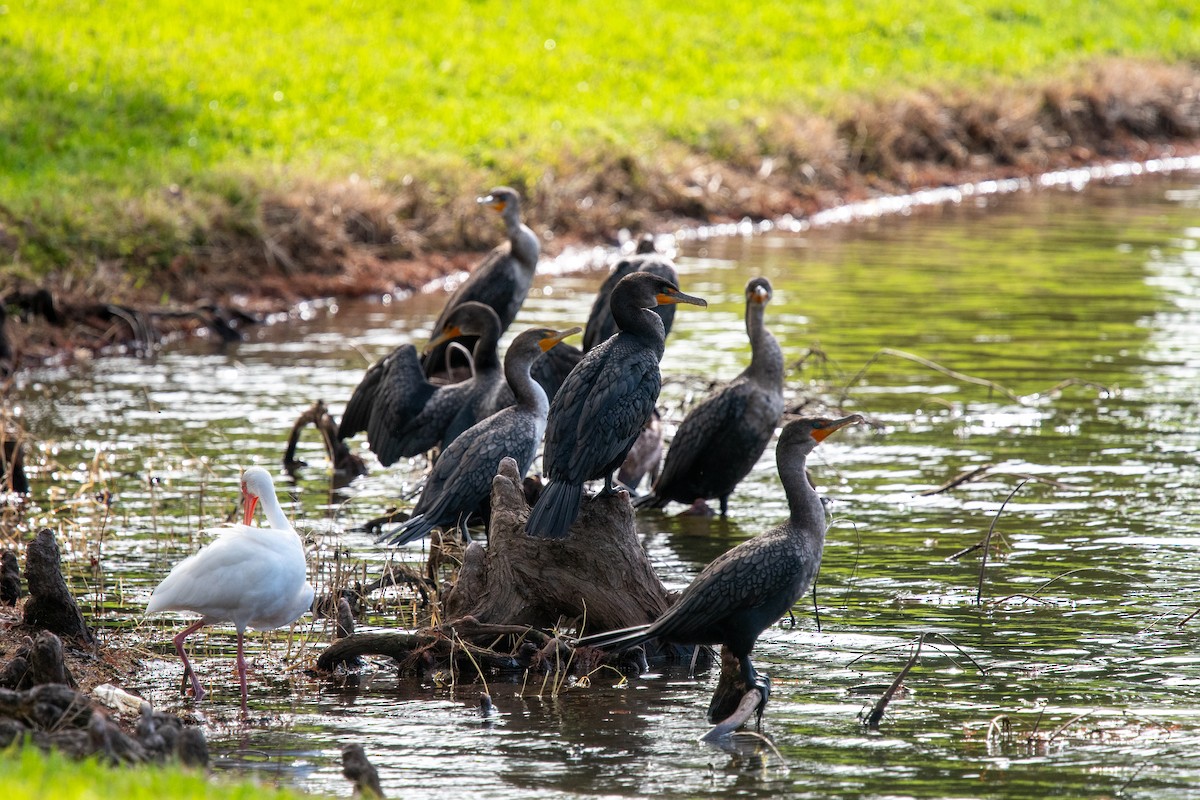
(501, 280)
(745, 590)
(403, 413)
(604, 403)
(720, 439)
(462, 477)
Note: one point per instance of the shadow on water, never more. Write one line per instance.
(1089, 687)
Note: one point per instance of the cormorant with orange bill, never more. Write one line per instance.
(461, 479)
(604, 403)
(501, 280)
(745, 590)
(720, 440)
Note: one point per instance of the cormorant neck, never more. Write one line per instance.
(528, 392)
(641, 322)
(524, 242)
(803, 501)
(766, 357)
(485, 354)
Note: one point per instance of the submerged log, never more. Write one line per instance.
(726, 709)
(599, 577)
(50, 605)
(346, 465)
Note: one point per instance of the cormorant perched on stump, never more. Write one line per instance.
(604, 403)
(403, 413)
(462, 477)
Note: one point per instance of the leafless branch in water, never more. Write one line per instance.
(877, 711)
(964, 378)
(987, 542)
(881, 704)
(1068, 573)
(958, 480)
(933, 365)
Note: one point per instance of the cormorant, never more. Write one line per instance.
(501, 280)
(462, 477)
(552, 368)
(406, 415)
(600, 325)
(745, 590)
(720, 440)
(604, 403)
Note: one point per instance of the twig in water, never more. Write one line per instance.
(816, 609)
(881, 705)
(959, 376)
(1124, 575)
(876, 714)
(1068, 724)
(474, 663)
(999, 728)
(987, 541)
(1020, 596)
(958, 480)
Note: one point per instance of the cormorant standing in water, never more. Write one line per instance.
(462, 477)
(745, 590)
(604, 403)
(720, 440)
(501, 280)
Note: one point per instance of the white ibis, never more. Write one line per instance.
(252, 577)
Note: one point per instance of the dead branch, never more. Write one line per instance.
(933, 365)
(958, 480)
(346, 464)
(987, 542)
(881, 704)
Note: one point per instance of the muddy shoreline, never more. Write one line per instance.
(351, 239)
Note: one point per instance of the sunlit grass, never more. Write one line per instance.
(136, 94)
(29, 774)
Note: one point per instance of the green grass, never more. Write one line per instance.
(29, 774)
(105, 104)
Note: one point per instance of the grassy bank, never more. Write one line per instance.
(29, 774)
(176, 144)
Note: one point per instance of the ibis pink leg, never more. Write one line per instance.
(197, 690)
(241, 667)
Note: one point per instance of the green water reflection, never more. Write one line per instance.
(1095, 558)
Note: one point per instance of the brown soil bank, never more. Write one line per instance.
(348, 239)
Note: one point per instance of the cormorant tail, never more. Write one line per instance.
(620, 639)
(650, 500)
(412, 529)
(555, 511)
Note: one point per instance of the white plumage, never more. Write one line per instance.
(251, 577)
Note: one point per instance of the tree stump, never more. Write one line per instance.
(599, 576)
(10, 578)
(50, 605)
(357, 768)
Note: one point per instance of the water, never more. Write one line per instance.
(1090, 687)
